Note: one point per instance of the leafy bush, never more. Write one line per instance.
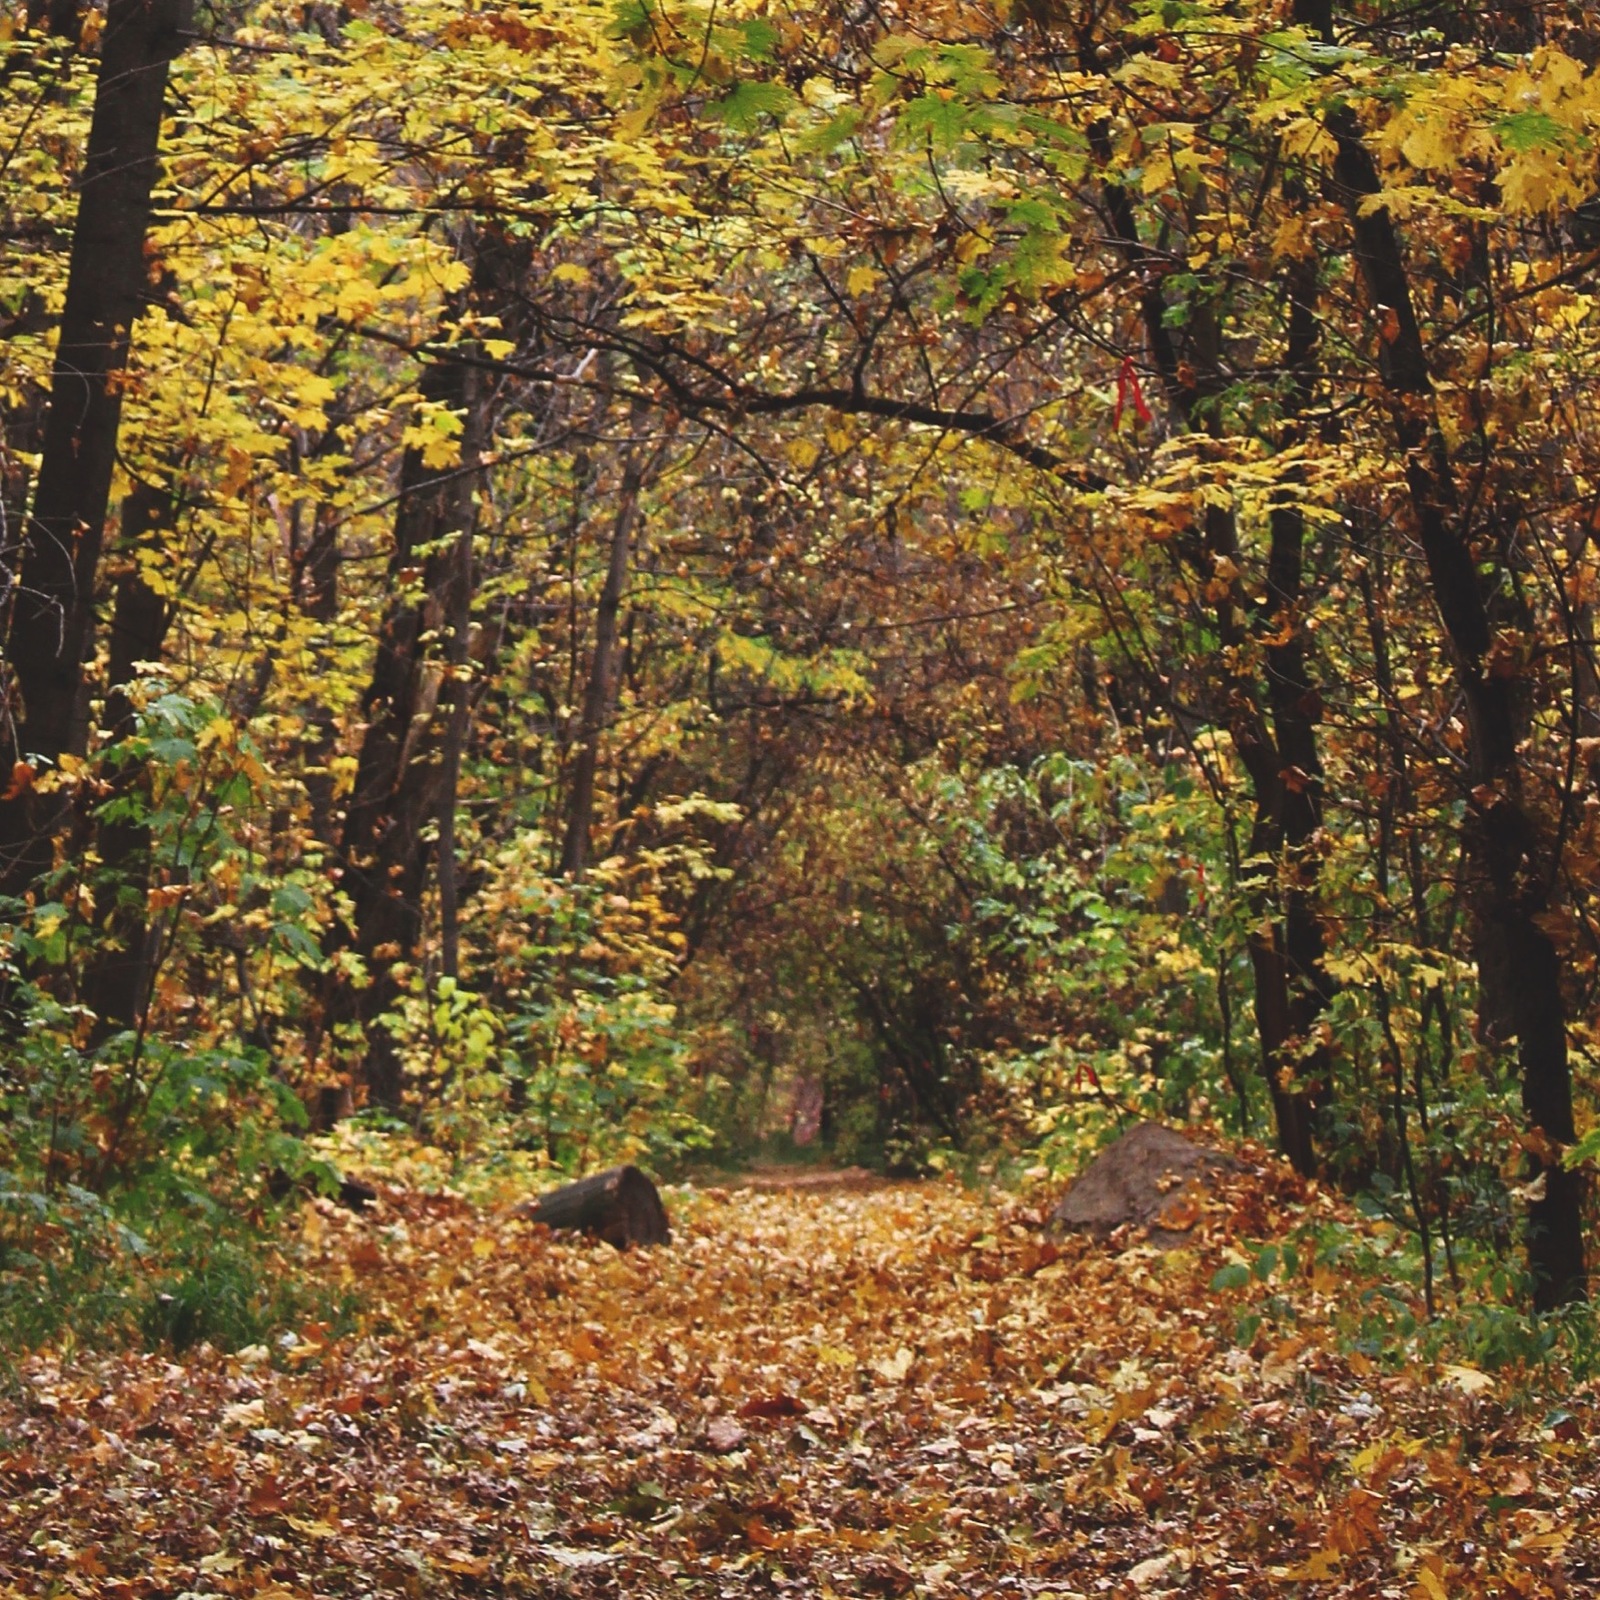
(137, 1154)
(561, 1042)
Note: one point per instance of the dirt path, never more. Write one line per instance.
(882, 1393)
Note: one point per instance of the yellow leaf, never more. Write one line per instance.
(1431, 146)
(313, 1530)
(1292, 239)
(895, 1367)
(1430, 1582)
(1322, 1567)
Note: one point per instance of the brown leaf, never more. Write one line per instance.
(770, 1406)
(723, 1435)
(265, 1498)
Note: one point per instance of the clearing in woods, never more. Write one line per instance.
(849, 1392)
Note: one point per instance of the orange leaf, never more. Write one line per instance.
(22, 776)
(265, 1498)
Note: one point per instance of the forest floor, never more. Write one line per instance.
(854, 1391)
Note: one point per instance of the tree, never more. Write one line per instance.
(52, 583)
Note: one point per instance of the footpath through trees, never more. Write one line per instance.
(907, 1391)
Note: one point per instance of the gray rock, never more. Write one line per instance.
(1139, 1180)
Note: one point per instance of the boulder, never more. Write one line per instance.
(1148, 1178)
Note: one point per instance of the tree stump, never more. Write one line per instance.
(620, 1206)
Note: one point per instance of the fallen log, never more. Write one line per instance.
(352, 1193)
(620, 1206)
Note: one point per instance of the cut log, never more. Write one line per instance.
(620, 1206)
(352, 1193)
(1148, 1178)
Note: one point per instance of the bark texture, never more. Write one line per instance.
(620, 1206)
(117, 984)
(384, 849)
(1510, 848)
(52, 589)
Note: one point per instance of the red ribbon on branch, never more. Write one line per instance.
(1128, 388)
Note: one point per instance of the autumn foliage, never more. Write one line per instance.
(652, 582)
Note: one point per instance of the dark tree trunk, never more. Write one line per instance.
(63, 18)
(52, 594)
(1296, 708)
(417, 707)
(602, 683)
(620, 1206)
(383, 849)
(117, 984)
(315, 589)
(1291, 987)
(458, 655)
(1508, 846)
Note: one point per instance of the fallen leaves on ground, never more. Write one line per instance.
(907, 1391)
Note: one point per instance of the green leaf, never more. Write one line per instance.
(836, 131)
(943, 123)
(760, 39)
(744, 108)
(1530, 130)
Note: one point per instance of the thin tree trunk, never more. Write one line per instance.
(315, 590)
(1286, 956)
(116, 985)
(402, 771)
(1296, 709)
(458, 654)
(1508, 844)
(602, 676)
(52, 594)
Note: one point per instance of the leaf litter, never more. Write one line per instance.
(900, 1391)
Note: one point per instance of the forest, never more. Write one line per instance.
(839, 601)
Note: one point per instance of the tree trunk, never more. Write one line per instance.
(117, 984)
(418, 704)
(1290, 982)
(383, 852)
(458, 654)
(63, 18)
(52, 597)
(1296, 707)
(314, 588)
(620, 1206)
(1507, 843)
(602, 676)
